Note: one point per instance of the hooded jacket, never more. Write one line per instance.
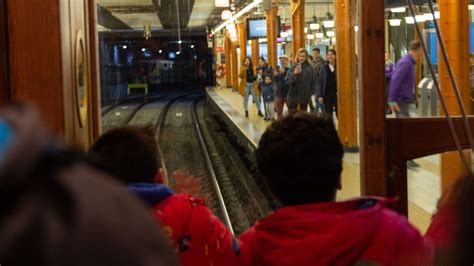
(336, 233)
(196, 235)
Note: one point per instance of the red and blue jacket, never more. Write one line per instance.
(197, 236)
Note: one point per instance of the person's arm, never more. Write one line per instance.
(290, 76)
(322, 82)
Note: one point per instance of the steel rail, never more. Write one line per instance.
(202, 141)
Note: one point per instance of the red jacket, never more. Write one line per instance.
(198, 237)
(335, 233)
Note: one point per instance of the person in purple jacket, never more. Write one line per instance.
(389, 68)
(402, 84)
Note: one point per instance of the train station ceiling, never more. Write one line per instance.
(194, 15)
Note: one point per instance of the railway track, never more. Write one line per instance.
(187, 145)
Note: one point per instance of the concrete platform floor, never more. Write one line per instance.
(424, 183)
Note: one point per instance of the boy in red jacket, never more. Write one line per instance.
(300, 157)
(197, 236)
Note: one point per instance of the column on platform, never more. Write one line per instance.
(346, 73)
(242, 35)
(454, 24)
(235, 65)
(255, 52)
(373, 157)
(272, 35)
(228, 60)
(297, 25)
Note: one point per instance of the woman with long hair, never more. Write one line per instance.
(247, 85)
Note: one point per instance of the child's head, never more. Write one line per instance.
(130, 153)
(267, 79)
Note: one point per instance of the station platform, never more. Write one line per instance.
(424, 182)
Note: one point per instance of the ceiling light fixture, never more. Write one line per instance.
(409, 20)
(226, 14)
(314, 26)
(221, 3)
(236, 16)
(398, 10)
(330, 33)
(395, 22)
(328, 24)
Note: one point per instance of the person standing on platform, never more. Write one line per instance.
(389, 68)
(318, 64)
(282, 87)
(327, 91)
(402, 85)
(268, 92)
(301, 79)
(247, 86)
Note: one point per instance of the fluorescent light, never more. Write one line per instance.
(319, 35)
(328, 23)
(180, 42)
(356, 28)
(236, 16)
(409, 20)
(221, 3)
(305, 29)
(398, 10)
(178, 52)
(471, 7)
(124, 47)
(160, 51)
(290, 32)
(143, 49)
(283, 34)
(192, 46)
(249, 42)
(314, 26)
(395, 22)
(262, 40)
(420, 18)
(310, 36)
(428, 16)
(330, 33)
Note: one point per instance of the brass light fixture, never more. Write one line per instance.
(147, 29)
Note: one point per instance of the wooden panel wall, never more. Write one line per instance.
(42, 62)
(4, 69)
(35, 57)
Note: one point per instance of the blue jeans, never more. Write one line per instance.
(250, 90)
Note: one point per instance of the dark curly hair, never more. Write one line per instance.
(300, 158)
